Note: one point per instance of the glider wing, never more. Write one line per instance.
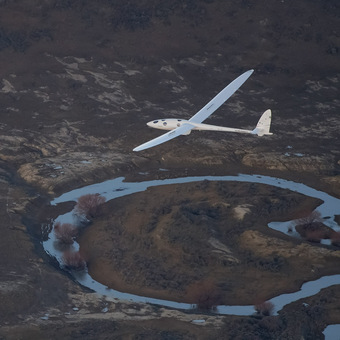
(166, 137)
(218, 100)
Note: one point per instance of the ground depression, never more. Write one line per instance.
(184, 242)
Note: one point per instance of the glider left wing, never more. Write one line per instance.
(219, 99)
(165, 137)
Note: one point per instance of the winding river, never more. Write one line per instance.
(115, 188)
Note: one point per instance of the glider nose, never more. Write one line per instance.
(152, 123)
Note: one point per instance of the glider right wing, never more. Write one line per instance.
(165, 137)
(218, 100)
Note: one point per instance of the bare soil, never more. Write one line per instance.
(78, 82)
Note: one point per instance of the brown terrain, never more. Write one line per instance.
(78, 82)
(172, 242)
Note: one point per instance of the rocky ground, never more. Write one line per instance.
(78, 82)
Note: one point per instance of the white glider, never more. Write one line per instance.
(179, 127)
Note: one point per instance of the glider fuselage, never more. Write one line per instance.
(171, 124)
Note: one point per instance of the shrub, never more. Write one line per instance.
(312, 228)
(314, 235)
(208, 300)
(271, 323)
(206, 295)
(132, 17)
(73, 260)
(264, 308)
(310, 221)
(88, 206)
(65, 232)
(336, 239)
(315, 312)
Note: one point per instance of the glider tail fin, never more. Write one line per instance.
(263, 125)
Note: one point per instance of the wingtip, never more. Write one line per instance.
(141, 147)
